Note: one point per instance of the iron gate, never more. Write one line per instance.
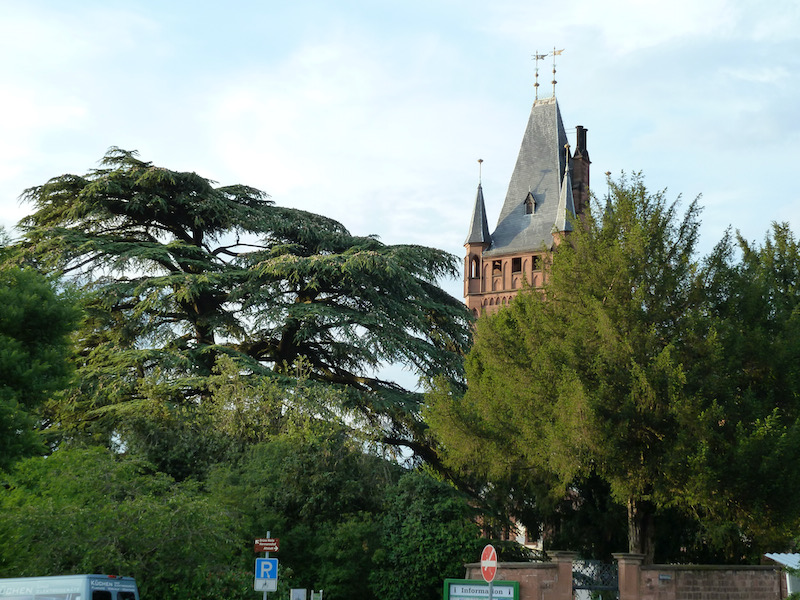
(594, 580)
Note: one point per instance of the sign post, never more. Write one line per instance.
(489, 566)
(266, 579)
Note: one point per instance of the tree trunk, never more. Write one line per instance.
(641, 525)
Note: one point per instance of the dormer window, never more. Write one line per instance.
(530, 204)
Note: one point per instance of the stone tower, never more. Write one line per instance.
(548, 187)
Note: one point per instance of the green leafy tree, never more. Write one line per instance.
(586, 377)
(242, 409)
(322, 495)
(178, 272)
(429, 534)
(90, 511)
(36, 322)
(748, 450)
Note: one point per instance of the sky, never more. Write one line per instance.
(376, 112)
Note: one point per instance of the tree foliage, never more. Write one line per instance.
(586, 376)
(670, 379)
(321, 495)
(179, 272)
(36, 322)
(89, 511)
(348, 521)
(429, 533)
(746, 457)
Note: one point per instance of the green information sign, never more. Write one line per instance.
(468, 589)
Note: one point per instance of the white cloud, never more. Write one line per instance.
(774, 21)
(770, 74)
(622, 26)
(340, 122)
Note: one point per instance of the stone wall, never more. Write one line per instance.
(690, 582)
(542, 581)
(553, 580)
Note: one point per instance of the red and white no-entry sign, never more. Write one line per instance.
(489, 563)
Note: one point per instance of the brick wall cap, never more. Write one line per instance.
(628, 558)
(710, 568)
(562, 555)
(516, 565)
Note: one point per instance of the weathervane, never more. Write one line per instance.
(555, 53)
(537, 57)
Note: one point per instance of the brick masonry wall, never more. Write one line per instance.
(536, 580)
(553, 581)
(689, 582)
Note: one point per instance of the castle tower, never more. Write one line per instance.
(548, 187)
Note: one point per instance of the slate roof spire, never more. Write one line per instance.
(541, 170)
(479, 226)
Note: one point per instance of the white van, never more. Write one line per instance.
(69, 587)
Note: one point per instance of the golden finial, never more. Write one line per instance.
(537, 57)
(555, 53)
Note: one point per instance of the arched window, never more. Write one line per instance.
(474, 272)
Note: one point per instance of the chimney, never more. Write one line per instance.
(580, 171)
(580, 146)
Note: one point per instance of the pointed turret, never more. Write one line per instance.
(566, 205)
(478, 239)
(479, 227)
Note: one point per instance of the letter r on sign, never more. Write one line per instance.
(266, 568)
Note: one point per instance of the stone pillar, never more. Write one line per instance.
(629, 579)
(563, 586)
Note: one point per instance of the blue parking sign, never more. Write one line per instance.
(266, 568)
(266, 575)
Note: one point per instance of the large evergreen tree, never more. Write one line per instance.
(585, 378)
(670, 380)
(179, 272)
(746, 454)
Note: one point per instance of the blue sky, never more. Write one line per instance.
(375, 112)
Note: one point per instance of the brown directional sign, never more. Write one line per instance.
(267, 545)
